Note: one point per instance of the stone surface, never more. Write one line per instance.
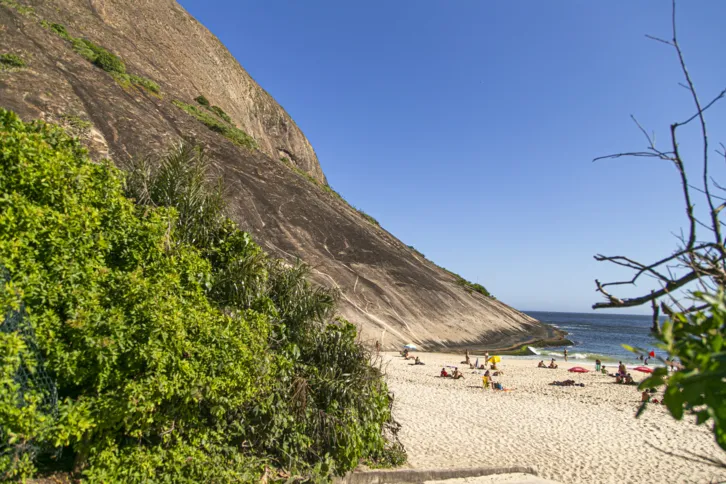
(390, 291)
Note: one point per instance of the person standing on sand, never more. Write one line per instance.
(486, 357)
(378, 348)
(565, 352)
(598, 363)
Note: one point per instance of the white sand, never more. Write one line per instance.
(570, 434)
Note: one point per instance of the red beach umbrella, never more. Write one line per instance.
(643, 369)
(578, 369)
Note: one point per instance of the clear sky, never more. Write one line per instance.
(467, 128)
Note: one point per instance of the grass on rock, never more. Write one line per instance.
(221, 126)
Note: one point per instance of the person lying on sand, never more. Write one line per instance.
(499, 386)
(553, 365)
(567, 383)
(541, 364)
(443, 373)
(457, 374)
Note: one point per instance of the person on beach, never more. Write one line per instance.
(603, 370)
(493, 366)
(418, 362)
(598, 364)
(629, 380)
(621, 369)
(565, 353)
(553, 365)
(644, 397)
(485, 381)
(378, 347)
(457, 374)
(443, 373)
(541, 364)
(467, 358)
(618, 378)
(486, 357)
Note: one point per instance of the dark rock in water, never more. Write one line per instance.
(277, 192)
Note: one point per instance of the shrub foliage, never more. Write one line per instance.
(180, 353)
(697, 341)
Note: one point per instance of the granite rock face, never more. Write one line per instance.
(390, 291)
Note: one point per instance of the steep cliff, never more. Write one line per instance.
(389, 290)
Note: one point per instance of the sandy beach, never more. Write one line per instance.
(570, 434)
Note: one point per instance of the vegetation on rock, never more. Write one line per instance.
(221, 126)
(179, 350)
(104, 59)
(21, 9)
(11, 61)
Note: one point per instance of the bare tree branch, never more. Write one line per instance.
(615, 302)
(695, 260)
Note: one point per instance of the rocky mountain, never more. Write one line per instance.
(123, 75)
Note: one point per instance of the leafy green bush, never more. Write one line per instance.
(234, 134)
(697, 341)
(149, 372)
(471, 286)
(102, 58)
(177, 358)
(60, 30)
(181, 178)
(11, 61)
(307, 418)
(202, 100)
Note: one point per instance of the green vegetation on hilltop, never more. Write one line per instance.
(179, 351)
(472, 286)
(221, 126)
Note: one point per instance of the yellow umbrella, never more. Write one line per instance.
(495, 359)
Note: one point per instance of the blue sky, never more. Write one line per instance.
(468, 128)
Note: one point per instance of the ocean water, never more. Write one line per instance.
(599, 335)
